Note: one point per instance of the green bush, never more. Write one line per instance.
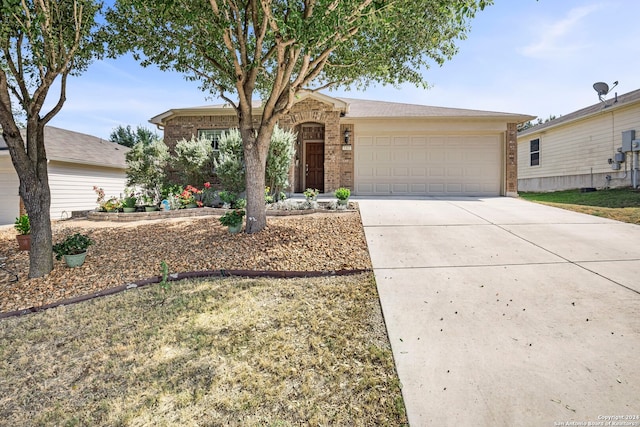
(343, 193)
(281, 151)
(22, 224)
(72, 245)
(229, 163)
(194, 160)
(146, 167)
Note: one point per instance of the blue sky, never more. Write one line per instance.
(521, 56)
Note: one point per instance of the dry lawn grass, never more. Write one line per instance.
(628, 214)
(206, 352)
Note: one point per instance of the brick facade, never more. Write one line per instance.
(314, 111)
(338, 164)
(511, 159)
(325, 117)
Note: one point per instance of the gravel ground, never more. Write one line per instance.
(125, 252)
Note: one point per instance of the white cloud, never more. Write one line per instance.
(557, 39)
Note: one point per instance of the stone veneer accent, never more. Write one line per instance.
(313, 111)
(511, 185)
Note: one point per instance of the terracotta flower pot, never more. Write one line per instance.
(24, 242)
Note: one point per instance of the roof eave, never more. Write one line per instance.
(550, 125)
(85, 162)
(518, 118)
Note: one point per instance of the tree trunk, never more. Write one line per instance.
(35, 193)
(256, 149)
(37, 202)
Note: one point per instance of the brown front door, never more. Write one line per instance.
(314, 165)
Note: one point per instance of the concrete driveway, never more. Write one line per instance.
(503, 312)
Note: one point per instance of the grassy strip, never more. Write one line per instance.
(229, 351)
(621, 204)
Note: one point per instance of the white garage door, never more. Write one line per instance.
(428, 165)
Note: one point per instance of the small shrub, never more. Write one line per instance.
(229, 162)
(22, 224)
(232, 218)
(72, 245)
(343, 193)
(146, 168)
(281, 151)
(193, 159)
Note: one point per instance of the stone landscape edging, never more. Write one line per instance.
(280, 274)
(195, 212)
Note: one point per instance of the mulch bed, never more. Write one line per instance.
(126, 253)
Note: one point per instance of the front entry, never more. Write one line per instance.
(314, 166)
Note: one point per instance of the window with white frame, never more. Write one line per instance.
(211, 134)
(534, 152)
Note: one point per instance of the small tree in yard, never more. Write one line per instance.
(41, 42)
(229, 162)
(194, 158)
(281, 151)
(146, 167)
(278, 48)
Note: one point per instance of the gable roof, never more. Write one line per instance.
(592, 110)
(356, 109)
(73, 147)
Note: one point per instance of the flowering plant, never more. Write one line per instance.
(110, 205)
(311, 193)
(100, 193)
(191, 195)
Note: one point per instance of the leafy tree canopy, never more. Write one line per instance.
(305, 44)
(277, 48)
(128, 137)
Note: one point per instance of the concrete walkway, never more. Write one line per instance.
(503, 312)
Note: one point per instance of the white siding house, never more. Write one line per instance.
(77, 162)
(573, 151)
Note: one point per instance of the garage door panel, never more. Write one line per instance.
(428, 165)
(382, 141)
(401, 188)
(382, 188)
(401, 172)
(382, 172)
(399, 141)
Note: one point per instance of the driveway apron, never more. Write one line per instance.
(502, 312)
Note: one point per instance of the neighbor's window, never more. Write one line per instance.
(535, 152)
(211, 134)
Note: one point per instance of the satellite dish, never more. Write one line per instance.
(602, 88)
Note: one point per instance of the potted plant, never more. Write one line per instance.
(311, 194)
(342, 194)
(24, 229)
(129, 204)
(233, 220)
(73, 249)
(149, 203)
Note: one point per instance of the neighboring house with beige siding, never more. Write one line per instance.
(573, 151)
(77, 162)
(380, 148)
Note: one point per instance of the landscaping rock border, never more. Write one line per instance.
(196, 212)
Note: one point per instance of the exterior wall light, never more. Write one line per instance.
(347, 136)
